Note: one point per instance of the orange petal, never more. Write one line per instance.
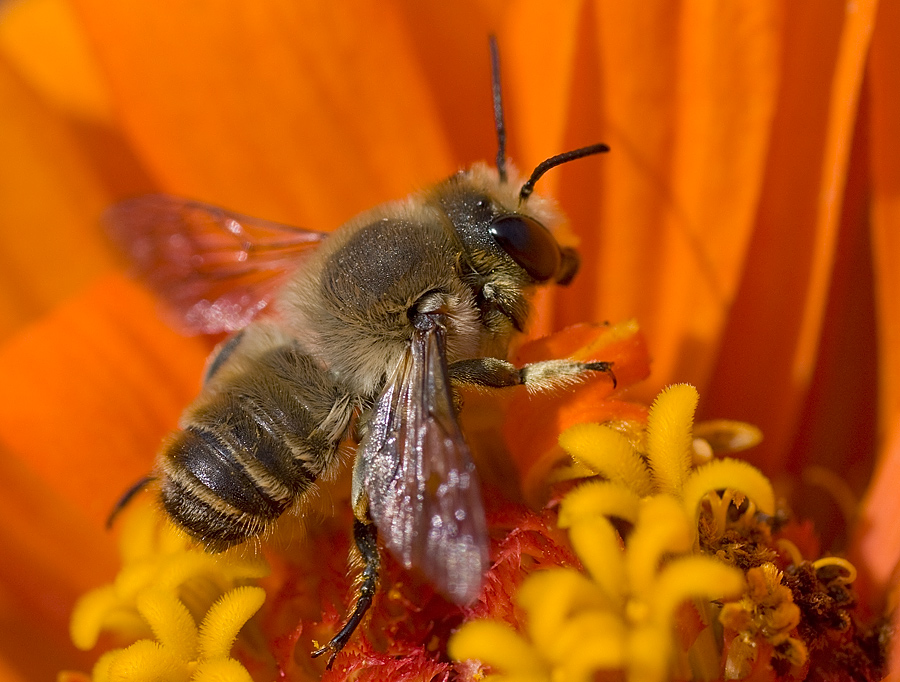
(769, 349)
(836, 427)
(90, 390)
(877, 550)
(539, 47)
(534, 421)
(578, 338)
(885, 151)
(297, 111)
(456, 67)
(51, 556)
(8, 673)
(50, 199)
(664, 218)
(877, 545)
(43, 40)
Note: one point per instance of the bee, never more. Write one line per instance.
(381, 320)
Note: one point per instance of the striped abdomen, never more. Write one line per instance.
(251, 446)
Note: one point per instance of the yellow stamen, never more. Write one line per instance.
(621, 614)
(186, 566)
(550, 597)
(701, 452)
(496, 644)
(599, 498)
(796, 557)
(727, 435)
(588, 642)
(144, 536)
(102, 609)
(146, 660)
(649, 654)
(719, 507)
(172, 624)
(662, 528)
(221, 670)
(847, 567)
(722, 474)
(597, 545)
(225, 619)
(100, 673)
(607, 452)
(836, 487)
(693, 576)
(670, 436)
(766, 611)
(165, 586)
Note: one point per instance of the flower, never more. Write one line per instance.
(621, 613)
(698, 533)
(165, 587)
(745, 218)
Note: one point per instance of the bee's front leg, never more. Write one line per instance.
(546, 375)
(365, 535)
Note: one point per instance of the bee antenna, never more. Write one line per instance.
(497, 96)
(555, 161)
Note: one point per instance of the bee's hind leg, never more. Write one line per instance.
(365, 535)
(126, 498)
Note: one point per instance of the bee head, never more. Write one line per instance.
(521, 233)
(503, 228)
(530, 243)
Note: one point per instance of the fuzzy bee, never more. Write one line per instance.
(382, 319)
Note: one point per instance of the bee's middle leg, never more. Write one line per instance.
(365, 535)
(537, 376)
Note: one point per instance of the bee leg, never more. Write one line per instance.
(365, 535)
(551, 374)
(537, 376)
(127, 496)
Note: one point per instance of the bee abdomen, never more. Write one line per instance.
(250, 451)
(210, 491)
(207, 518)
(218, 467)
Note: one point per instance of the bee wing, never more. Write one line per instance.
(419, 476)
(215, 268)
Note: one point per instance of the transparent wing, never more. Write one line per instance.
(215, 268)
(419, 476)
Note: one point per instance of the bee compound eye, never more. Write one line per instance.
(529, 244)
(568, 268)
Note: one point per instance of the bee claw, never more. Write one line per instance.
(332, 647)
(605, 367)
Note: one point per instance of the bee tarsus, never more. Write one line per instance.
(538, 376)
(365, 536)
